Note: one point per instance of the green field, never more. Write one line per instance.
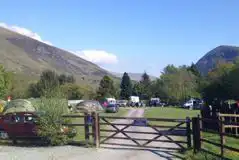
(81, 130)
(178, 113)
(229, 141)
(170, 112)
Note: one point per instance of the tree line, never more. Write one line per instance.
(175, 85)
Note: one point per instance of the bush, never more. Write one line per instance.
(53, 106)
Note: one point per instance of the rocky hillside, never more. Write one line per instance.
(217, 55)
(30, 57)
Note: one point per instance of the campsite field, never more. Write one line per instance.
(178, 113)
(80, 130)
(169, 112)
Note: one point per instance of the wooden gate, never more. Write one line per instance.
(159, 133)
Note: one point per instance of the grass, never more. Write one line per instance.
(169, 112)
(178, 113)
(229, 141)
(81, 131)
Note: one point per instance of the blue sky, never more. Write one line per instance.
(136, 35)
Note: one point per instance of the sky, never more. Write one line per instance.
(127, 35)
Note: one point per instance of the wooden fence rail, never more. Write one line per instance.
(198, 139)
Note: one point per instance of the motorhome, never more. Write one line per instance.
(134, 101)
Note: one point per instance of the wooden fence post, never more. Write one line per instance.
(189, 140)
(87, 130)
(222, 138)
(96, 129)
(196, 134)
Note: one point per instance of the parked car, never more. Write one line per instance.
(111, 105)
(193, 104)
(154, 102)
(23, 126)
(122, 103)
(112, 108)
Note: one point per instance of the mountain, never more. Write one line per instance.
(220, 54)
(29, 57)
(133, 76)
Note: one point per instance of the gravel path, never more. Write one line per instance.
(105, 152)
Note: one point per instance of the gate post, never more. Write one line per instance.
(196, 134)
(96, 129)
(189, 140)
(87, 130)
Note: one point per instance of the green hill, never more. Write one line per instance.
(28, 57)
(220, 54)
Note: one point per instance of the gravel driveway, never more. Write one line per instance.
(105, 152)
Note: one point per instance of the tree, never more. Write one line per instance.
(126, 87)
(194, 70)
(72, 91)
(179, 83)
(5, 81)
(49, 81)
(158, 90)
(137, 89)
(106, 88)
(145, 83)
(63, 79)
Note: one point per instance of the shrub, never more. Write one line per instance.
(53, 106)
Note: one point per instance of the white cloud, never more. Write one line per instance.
(100, 57)
(25, 32)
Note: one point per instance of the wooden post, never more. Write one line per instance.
(222, 139)
(96, 129)
(235, 121)
(189, 140)
(196, 134)
(87, 130)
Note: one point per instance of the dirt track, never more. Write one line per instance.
(105, 152)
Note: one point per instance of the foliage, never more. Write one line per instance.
(63, 79)
(50, 80)
(222, 83)
(193, 69)
(72, 91)
(106, 88)
(53, 107)
(126, 87)
(178, 84)
(158, 89)
(145, 84)
(5, 81)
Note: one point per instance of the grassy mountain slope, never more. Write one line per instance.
(28, 57)
(220, 54)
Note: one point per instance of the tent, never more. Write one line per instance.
(19, 105)
(89, 106)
